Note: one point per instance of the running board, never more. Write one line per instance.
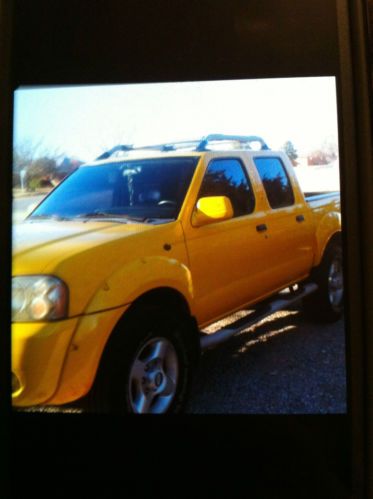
(267, 309)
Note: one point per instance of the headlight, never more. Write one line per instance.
(38, 298)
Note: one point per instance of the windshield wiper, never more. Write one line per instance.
(48, 217)
(106, 215)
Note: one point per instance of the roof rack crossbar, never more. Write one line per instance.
(173, 146)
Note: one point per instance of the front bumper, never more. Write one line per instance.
(56, 362)
(38, 354)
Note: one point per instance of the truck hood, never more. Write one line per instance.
(46, 239)
(90, 256)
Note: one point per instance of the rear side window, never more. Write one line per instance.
(275, 181)
(227, 177)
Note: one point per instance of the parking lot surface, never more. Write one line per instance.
(284, 365)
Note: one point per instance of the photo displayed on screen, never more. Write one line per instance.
(177, 249)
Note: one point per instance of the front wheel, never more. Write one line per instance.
(154, 375)
(147, 366)
(327, 302)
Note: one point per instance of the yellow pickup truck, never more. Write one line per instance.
(120, 268)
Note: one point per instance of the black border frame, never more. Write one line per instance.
(45, 42)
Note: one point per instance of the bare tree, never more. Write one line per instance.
(36, 161)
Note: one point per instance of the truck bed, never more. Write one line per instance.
(317, 200)
(314, 196)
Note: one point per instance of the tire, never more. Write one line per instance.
(326, 304)
(147, 366)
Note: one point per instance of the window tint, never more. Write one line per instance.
(275, 181)
(149, 188)
(226, 177)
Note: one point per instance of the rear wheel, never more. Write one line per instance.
(327, 302)
(147, 366)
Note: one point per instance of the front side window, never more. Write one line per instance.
(275, 181)
(227, 177)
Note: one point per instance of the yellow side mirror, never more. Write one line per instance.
(211, 209)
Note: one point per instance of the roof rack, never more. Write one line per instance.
(243, 140)
(194, 145)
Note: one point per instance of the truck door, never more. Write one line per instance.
(289, 223)
(227, 258)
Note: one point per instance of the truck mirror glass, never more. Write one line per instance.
(212, 209)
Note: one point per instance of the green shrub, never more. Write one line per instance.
(33, 184)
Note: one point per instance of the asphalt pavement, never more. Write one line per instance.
(284, 365)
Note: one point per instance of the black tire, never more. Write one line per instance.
(129, 381)
(326, 304)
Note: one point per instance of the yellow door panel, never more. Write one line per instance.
(229, 265)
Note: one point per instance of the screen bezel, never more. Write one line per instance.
(338, 51)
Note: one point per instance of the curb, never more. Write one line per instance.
(29, 194)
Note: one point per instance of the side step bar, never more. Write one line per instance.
(265, 310)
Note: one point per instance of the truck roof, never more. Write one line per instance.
(141, 154)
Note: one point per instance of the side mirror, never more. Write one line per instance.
(211, 209)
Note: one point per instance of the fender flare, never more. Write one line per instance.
(136, 278)
(328, 227)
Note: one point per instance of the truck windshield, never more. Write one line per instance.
(141, 190)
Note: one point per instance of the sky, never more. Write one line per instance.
(84, 121)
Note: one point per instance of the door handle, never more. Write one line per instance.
(261, 228)
(299, 218)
